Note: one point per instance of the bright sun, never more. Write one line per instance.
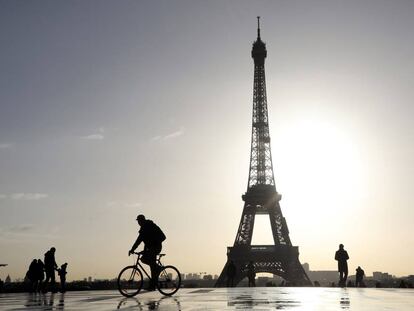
(317, 170)
(317, 160)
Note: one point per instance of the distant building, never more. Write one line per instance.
(379, 276)
(208, 277)
(324, 277)
(193, 276)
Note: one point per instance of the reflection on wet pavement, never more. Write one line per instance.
(260, 298)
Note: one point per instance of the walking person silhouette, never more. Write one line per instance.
(341, 256)
(50, 267)
(152, 236)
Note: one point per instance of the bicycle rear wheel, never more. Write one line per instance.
(130, 281)
(169, 280)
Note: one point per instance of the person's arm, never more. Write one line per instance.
(136, 244)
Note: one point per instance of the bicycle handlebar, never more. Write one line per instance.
(141, 252)
(136, 253)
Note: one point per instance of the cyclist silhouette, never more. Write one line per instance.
(152, 236)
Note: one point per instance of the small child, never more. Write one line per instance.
(62, 274)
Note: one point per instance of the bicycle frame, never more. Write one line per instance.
(168, 279)
(139, 266)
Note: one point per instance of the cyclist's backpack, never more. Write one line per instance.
(158, 235)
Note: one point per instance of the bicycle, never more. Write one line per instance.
(130, 279)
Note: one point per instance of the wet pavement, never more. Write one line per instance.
(260, 298)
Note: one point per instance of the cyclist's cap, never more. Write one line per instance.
(140, 217)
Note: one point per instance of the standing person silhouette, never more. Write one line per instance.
(31, 275)
(40, 273)
(359, 277)
(50, 267)
(152, 236)
(251, 274)
(341, 256)
(231, 273)
(62, 274)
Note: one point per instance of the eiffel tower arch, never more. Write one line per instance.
(261, 197)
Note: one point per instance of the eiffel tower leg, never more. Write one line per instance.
(296, 275)
(222, 280)
(281, 260)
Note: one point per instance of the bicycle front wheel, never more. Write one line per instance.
(169, 280)
(130, 281)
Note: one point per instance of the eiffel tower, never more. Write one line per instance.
(261, 198)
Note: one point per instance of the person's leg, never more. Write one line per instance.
(345, 275)
(46, 282)
(53, 281)
(155, 268)
(149, 258)
(342, 279)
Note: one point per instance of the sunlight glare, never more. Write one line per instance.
(318, 164)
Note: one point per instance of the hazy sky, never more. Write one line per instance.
(109, 109)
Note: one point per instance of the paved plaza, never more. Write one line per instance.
(275, 298)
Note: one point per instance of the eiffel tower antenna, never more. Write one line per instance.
(261, 197)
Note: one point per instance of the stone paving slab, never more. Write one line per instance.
(260, 298)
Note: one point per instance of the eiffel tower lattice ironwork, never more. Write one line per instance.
(261, 197)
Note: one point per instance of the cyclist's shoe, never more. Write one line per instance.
(151, 286)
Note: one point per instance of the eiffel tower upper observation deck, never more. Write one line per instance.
(261, 197)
